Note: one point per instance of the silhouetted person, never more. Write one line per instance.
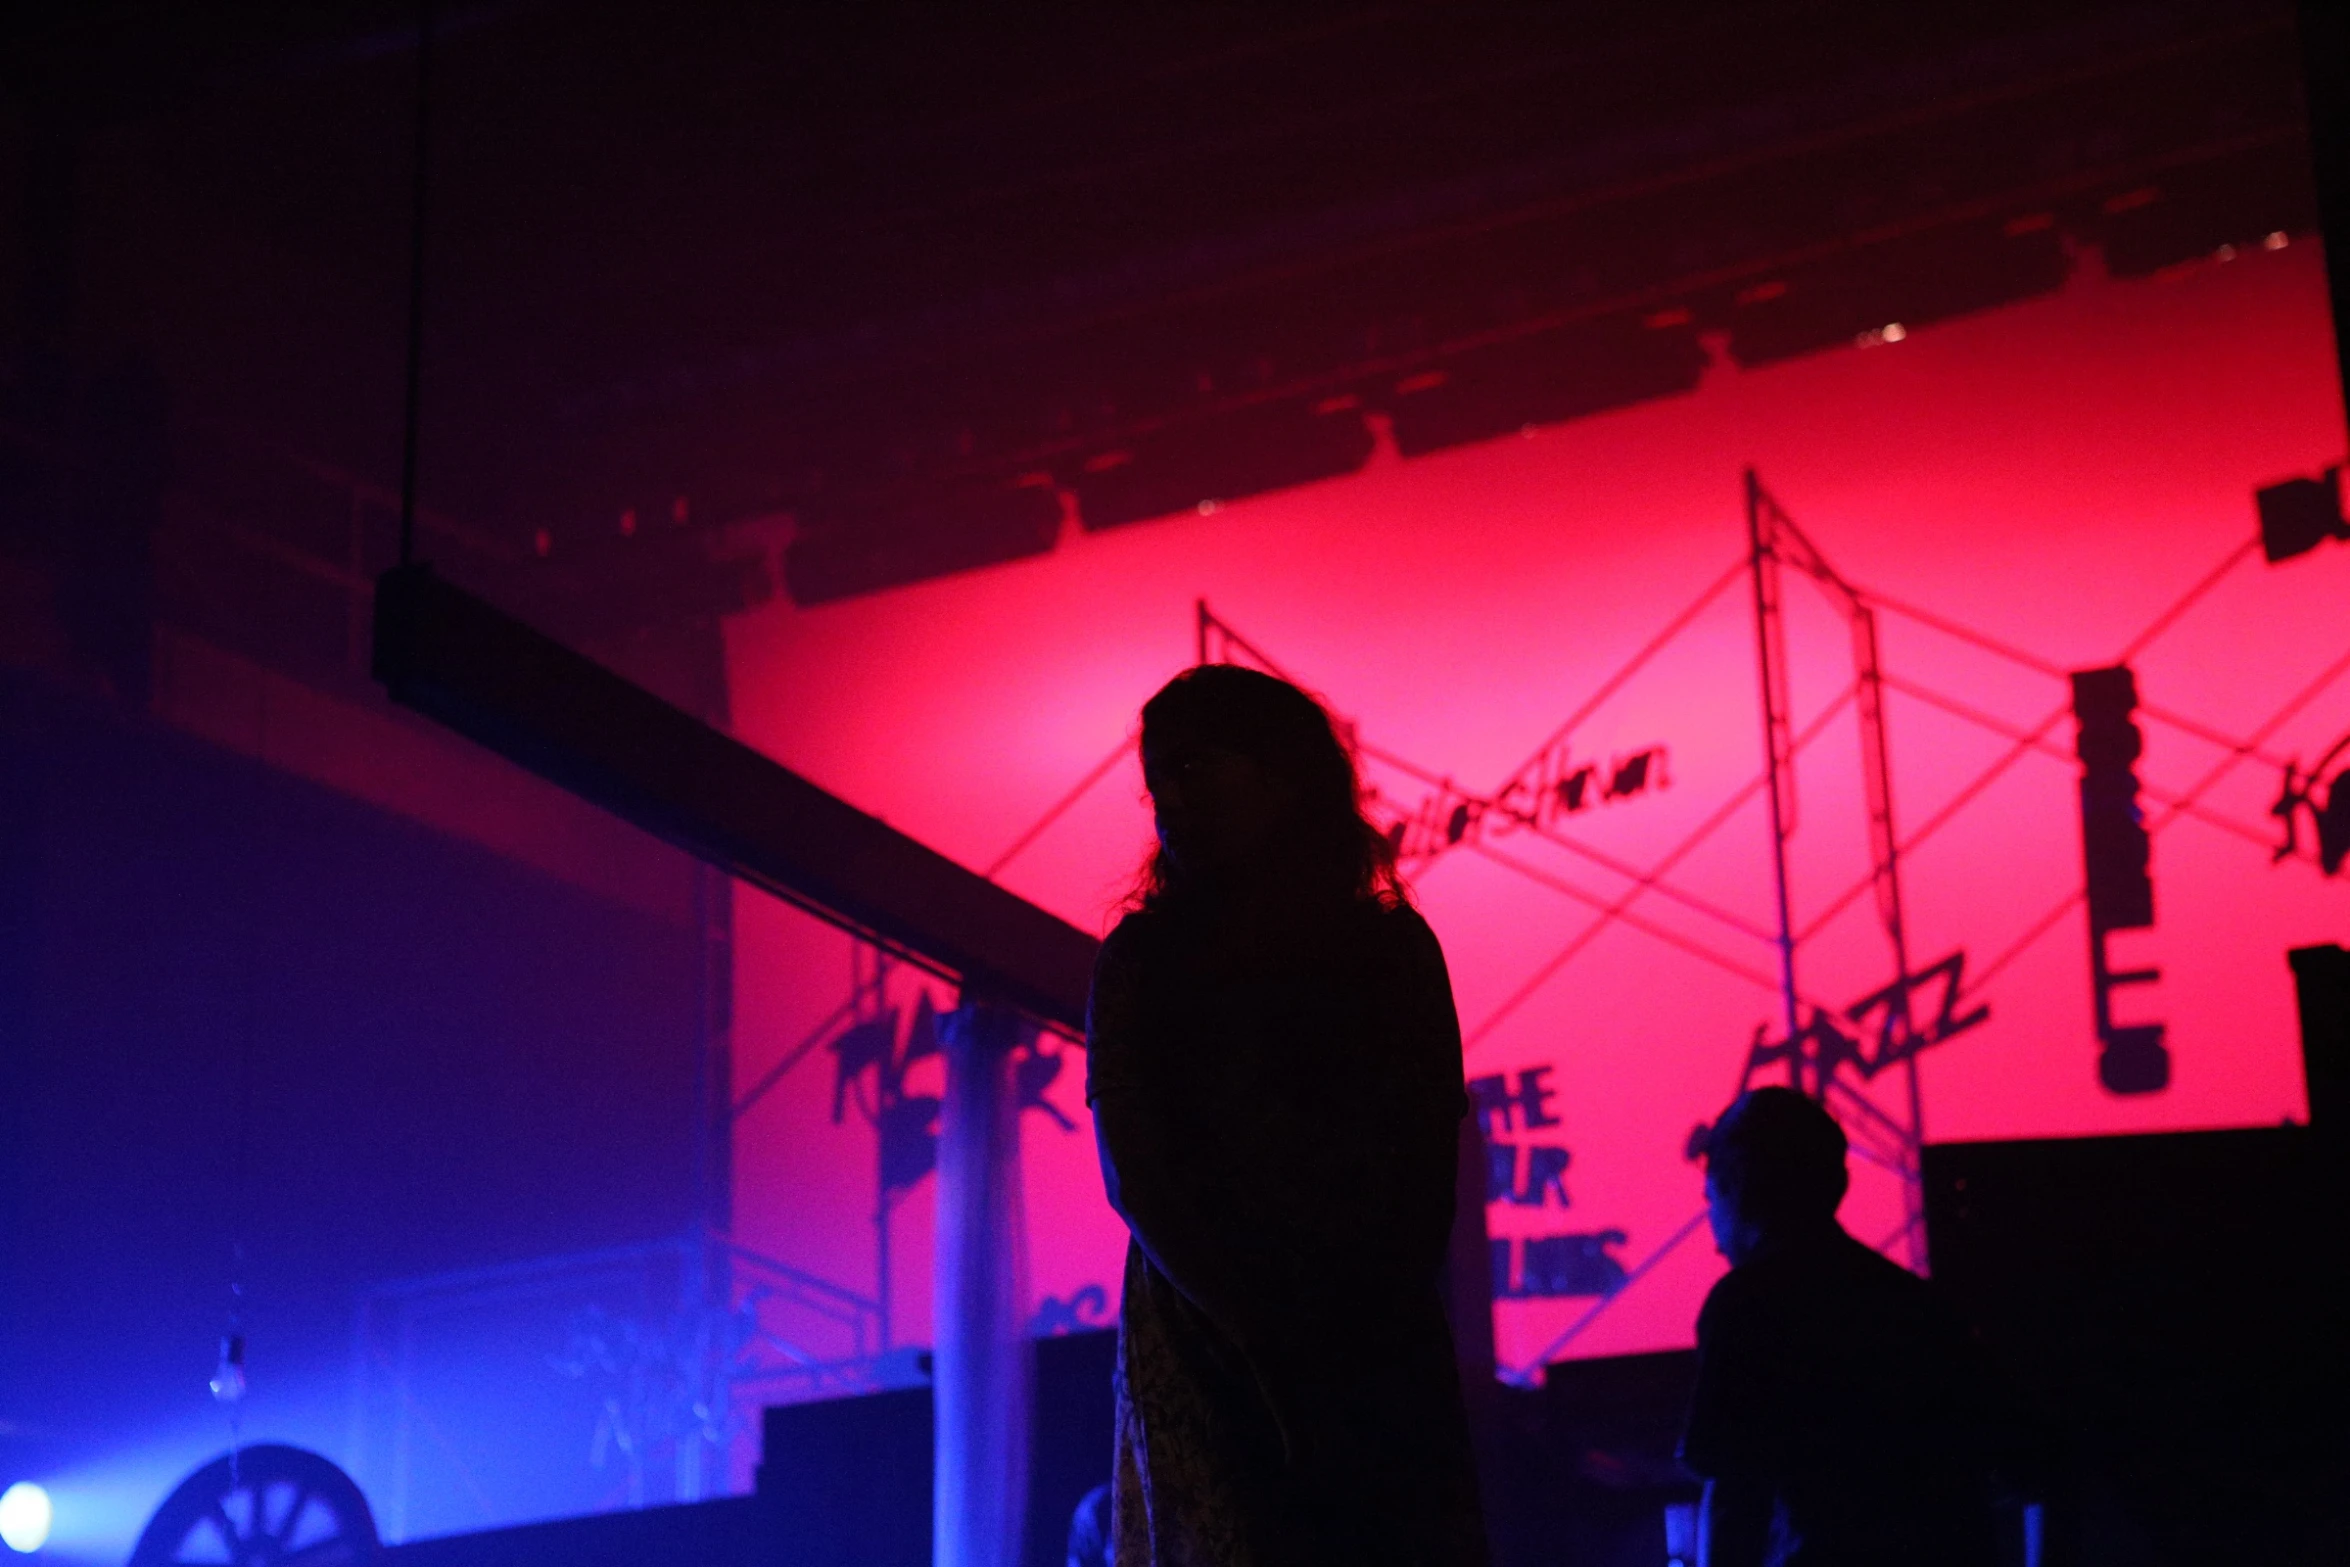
(1275, 1069)
(1843, 1413)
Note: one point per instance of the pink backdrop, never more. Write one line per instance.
(2053, 475)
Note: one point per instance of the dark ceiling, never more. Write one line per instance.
(922, 278)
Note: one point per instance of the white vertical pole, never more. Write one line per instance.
(981, 1367)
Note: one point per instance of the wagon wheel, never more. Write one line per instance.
(283, 1508)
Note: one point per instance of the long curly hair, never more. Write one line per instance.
(1338, 853)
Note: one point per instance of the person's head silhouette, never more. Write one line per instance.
(1254, 790)
(1774, 1167)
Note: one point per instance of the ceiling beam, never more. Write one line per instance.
(557, 713)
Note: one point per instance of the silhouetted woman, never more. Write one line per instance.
(1275, 1069)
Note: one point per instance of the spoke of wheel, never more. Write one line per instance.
(286, 1525)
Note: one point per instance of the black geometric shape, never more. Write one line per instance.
(1560, 1265)
(909, 1141)
(2333, 825)
(922, 1036)
(2115, 849)
(859, 1046)
(2135, 1060)
(2299, 515)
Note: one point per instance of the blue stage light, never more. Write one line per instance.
(24, 1517)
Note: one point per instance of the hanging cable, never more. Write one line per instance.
(228, 1383)
(414, 408)
(228, 1373)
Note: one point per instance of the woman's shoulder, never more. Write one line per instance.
(1135, 932)
(1396, 923)
(1140, 941)
(1390, 930)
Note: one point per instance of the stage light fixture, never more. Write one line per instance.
(1200, 466)
(2300, 514)
(1570, 372)
(25, 1516)
(863, 544)
(228, 1376)
(1883, 292)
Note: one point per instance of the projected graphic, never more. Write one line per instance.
(1817, 1055)
(1947, 530)
(2327, 816)
(1835, 1053)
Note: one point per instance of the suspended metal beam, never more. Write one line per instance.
(475, 669)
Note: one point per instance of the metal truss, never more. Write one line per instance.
(2329, 819)
(1818, 1053)
(1815, 1052)
(1886, 1140)
(687, 1352)
(1880, 1138)
(1549, 786)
